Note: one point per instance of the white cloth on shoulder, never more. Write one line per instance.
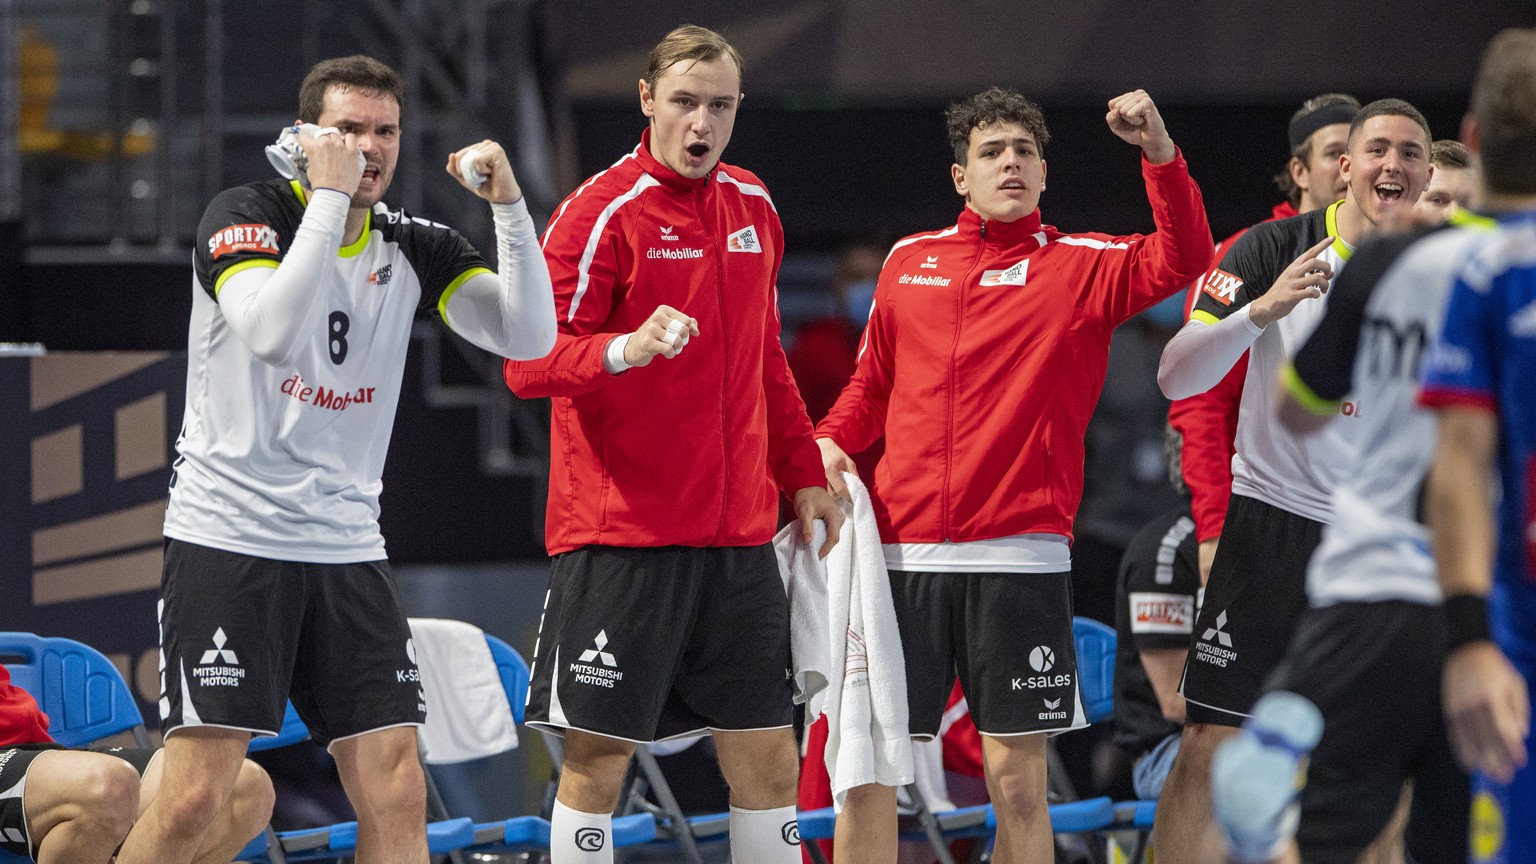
(468, 715)
(866, 694)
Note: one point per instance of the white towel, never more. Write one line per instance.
(866, 702)
(805, 582)
(468, 715)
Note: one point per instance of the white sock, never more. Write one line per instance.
(765, 836)
(580, 838)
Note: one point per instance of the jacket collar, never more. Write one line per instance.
(669, 178)
(1002, 233)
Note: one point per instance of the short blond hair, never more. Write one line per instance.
(690, 42)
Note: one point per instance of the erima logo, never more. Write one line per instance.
(1222, 286)
(1052, 704)
(1014, 275)
(1217, 631)
(591, 654)
(1042, 659)
(744, 240)
(219, 652)
(666, 233)
(590, 839)
(380, 277)
(931, 264)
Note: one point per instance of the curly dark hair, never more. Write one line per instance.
(993, 105)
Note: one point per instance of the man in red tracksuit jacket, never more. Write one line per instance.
(981, 364)
(665, 614)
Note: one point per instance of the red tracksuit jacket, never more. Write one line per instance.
(684, 451)
(984, 357)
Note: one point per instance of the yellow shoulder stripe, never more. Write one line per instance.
(1303, 394)
(442, 302)
(218, 285)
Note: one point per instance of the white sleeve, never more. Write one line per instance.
(1200, 354)
(513, 312)
(269, 309)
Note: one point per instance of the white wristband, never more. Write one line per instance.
(613, 356)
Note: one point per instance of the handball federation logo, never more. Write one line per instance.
(1042, 659)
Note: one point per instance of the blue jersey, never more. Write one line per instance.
(1486, 357)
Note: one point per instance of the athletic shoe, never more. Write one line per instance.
(1257, 776)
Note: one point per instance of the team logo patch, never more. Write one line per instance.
(1162, 613)
(380, 277)
(238, 239)
(1011, 276)
(744, 240)
(1222, 286)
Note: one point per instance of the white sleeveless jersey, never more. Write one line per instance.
(285, 462)
(1387, 308)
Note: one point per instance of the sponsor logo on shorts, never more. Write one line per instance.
(1206, 649)
(412, 672)
(744, 240)
(791, 832)
(937, 281)
(1053, 711)
(1153, 612)
(1014, 275)
(14, 835)
(1222, 286)
(603, 675)
(219, 666)
(591, 839)
(1042, 659)
(243, 238)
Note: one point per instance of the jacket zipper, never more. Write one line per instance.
(725, 340)
(949, 401)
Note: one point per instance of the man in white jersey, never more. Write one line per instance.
(1368, 651)
(1268, 295)
(276, 583)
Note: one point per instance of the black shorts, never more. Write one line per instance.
(239, 635)
(1008, 636)
(1373, 670)
(1257, 590)
(15, 762)
(646, 644)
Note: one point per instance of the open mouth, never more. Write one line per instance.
(698, 149)
(1012, 183)
(1389, 192)
(370, 173)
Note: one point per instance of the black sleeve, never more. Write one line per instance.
(442, 258)
(1160, 590)
(241, 225)
(1244, 274)
(1325, 364)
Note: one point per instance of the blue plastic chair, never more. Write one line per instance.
(83, 694)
